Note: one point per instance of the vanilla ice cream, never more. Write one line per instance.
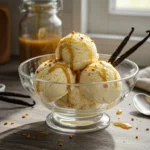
(53, 71)
(77, 50)
(76, 100)
(100, 71)
(77, 62)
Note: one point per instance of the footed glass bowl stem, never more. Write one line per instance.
(77, 124)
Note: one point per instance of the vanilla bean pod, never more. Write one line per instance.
(120, 47)
(14, 94)
(15, 101)
(131, 50)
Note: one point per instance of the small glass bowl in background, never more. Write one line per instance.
(79, 119)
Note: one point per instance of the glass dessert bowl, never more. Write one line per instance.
(77, 107)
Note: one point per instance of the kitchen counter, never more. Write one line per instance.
(32, 133)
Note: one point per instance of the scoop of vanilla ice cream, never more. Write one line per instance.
(101, 71)
(53, 71)
(77, 50)
(76, 100)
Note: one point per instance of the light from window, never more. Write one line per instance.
(133, 4)
(130, 7)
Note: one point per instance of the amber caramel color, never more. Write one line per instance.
(103, 75)
(64, 67)
(122, 125)
(119, 112)
(31, 45)
(67, 44)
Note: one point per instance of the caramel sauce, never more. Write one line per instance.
(31, 45)
(35, 8)
(64, 67)
(38, 87)
(105, 85)
(119, 112)
(122, 125)
(68, 46)
(89, 52)
(104, 71)
(115, 76)
(70, 51)
(36, 18)
(78, 73)
(103, 74)
(39, 43)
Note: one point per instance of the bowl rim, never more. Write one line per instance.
(75, 84)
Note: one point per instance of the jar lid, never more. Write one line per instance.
(41, 5)
(45, 3)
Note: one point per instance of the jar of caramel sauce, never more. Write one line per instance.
(40, 28)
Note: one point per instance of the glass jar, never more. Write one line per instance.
(40, 28)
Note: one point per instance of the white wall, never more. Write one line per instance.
(67, 17)
(16, 16)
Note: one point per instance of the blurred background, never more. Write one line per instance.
(105, 21)
(15, 17)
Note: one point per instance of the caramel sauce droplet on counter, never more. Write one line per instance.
(119, 112)
(64, 67)
(122, 125)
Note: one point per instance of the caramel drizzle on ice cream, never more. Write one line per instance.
(68, 46)
(78, 74)
(64, 67)
(115, 76)
(38, 87)
(70, 51)
(103, 69)
(102, 75)
(100, 69)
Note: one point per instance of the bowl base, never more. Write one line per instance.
(77, 124)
